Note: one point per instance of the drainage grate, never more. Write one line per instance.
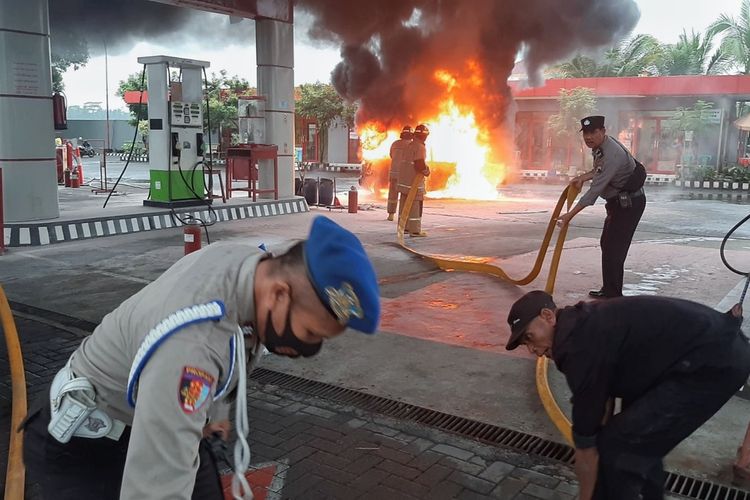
(487, 433)
(465, 427)
(473, 429)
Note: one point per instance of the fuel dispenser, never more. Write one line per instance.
(175, 138)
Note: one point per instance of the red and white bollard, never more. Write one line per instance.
(353, 200)
(192, 237)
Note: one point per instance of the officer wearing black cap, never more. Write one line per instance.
(613, 167)
(124, 418)
(674, 363)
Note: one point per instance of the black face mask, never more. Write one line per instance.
(288, 339)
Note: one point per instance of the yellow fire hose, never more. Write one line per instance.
(481, 265)
(15, 475)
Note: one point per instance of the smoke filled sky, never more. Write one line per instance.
(390, 54)
(192, 34)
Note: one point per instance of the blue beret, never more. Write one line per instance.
(342, 275)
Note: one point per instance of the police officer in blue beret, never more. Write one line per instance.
(614, 178)
(128, 415)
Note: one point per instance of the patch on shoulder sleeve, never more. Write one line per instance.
(195, 387)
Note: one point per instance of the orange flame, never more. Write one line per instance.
(458, 148)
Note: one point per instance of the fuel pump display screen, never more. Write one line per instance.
(186, 114)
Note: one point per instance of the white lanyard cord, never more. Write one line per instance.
(241, 447)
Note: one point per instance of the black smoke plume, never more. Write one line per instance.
(124, 23)
(390, 49)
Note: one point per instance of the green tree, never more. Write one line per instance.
(634, 56)
(693, 55)
(579, 67)
(133, 82)
(736, 31)
(321, 102)
(223, 93)
(574, 105)
(66, 50)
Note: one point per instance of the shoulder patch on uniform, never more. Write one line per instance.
(195, 387)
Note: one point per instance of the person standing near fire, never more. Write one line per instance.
(398, 156)
(614, 166)
(416, 154)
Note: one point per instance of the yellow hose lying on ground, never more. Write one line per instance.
(15, 475)
(481, 265)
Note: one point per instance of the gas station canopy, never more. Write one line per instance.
(279, 10)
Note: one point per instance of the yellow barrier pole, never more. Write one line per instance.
(15, 475)
(567, 197)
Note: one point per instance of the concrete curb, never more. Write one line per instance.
(725, 185)
(135, 158)
(48, 233)
(543, 175)
(720, 196)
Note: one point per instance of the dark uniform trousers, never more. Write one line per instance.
(619, 227)
(91, 469)
(631, 446)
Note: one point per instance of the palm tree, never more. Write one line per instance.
(578, 67)
(634, 56)
(692, 55)
(736, 32)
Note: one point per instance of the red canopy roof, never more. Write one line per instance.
(642, 86)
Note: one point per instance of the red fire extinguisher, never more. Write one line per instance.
(59, 111)
(192, 237)
(353, 200)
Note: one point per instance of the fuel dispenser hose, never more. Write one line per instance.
(478, 265)
(15, 473)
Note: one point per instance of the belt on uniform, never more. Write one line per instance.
(74, 412)
(634, 194)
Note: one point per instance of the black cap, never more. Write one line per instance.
(592, 123)
(523, 311)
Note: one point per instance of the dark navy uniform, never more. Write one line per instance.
(613, 165)
(673, 362)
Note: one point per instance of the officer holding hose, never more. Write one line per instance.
(674, 363)
(618, 178)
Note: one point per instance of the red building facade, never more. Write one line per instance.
(640, 112)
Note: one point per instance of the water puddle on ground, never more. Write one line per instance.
(651, 282)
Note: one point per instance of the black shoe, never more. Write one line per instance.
(599, 294)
